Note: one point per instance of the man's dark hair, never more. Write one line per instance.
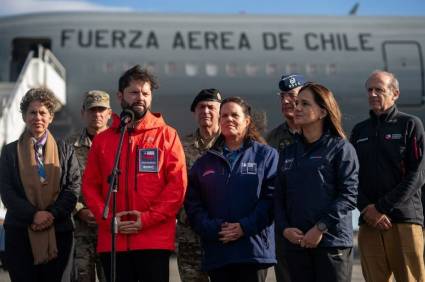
(137, 73)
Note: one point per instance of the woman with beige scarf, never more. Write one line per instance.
(39, 184)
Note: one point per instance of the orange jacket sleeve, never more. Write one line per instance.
(93, 182)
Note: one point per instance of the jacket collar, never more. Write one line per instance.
(386, 116)
(219, 144)
(302, 143)
(149, 121)
(83, 139)
(201, 143)
(286, 127)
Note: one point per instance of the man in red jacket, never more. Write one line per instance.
(151, 185)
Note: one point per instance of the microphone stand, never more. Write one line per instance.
(113, 189)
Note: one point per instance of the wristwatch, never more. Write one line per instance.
(321, 226)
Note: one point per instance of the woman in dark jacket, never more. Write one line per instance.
(229, 199)
(316, 190)
(39, 183)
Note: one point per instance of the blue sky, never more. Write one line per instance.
(299, 7)
(334, 7)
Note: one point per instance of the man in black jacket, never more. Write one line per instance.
(390, 146)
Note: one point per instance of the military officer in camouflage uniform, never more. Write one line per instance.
(206, 108)
(96, 112)
(280, 137)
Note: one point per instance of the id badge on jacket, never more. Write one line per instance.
(148, 160)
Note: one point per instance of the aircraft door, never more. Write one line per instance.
(405, 60)
(21, 46)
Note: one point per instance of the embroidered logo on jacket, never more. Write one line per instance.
(288, 164)
(248, 168)
(394, 136)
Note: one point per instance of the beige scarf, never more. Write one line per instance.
(41, 195)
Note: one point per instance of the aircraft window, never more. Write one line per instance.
(211, 69)
(151, 67)
(108, 68)
(125, 66)
(170, 68)
(251, 69)
(231, 69)
(191, 69)
(330, 69)
(311, 69)
(292, 68)
(271, 69)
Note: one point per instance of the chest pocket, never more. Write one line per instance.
(251, 174)
(310, 170)
(394, 147)
(362, 145)
(321, 168)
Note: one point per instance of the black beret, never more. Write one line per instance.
(206, 95)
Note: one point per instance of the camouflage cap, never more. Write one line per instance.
(96, 98)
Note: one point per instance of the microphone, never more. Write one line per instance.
(126, 117)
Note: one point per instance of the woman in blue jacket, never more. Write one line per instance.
(316, 190)
(229, 200)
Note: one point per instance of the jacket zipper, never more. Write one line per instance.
(127, 182)
(228, 165)
(136, 168)
(377, 146)
(229, 175)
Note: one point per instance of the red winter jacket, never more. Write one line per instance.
(153, 181)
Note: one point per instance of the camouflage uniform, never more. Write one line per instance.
(189, 252)
(86, 260)
(278, 138)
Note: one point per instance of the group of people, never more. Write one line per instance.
(233, 202)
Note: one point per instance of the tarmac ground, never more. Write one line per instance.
(174, 275)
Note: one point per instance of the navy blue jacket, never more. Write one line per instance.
(218, 193)
(318, 183)
(392, 164)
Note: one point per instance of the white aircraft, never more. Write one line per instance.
(240, 55)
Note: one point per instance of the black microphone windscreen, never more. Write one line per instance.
(126, 116)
